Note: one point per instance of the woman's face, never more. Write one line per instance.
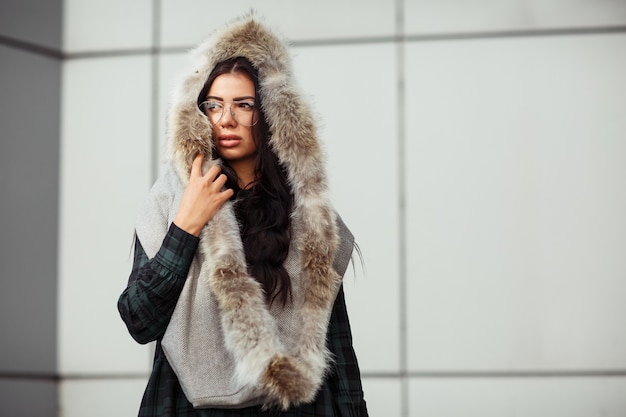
(232, 135)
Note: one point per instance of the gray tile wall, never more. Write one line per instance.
(30, 77)
(35, 23)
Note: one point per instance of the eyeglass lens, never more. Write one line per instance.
(242, 111)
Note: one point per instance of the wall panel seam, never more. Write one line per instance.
(402, 215)
(155, 95)
(426, 37)
(574, 373)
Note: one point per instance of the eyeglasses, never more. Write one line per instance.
(242, 111)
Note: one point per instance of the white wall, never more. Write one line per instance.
(482, 174)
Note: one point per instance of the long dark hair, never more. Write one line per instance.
(264, 210)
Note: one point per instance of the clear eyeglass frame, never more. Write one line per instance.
(243, 111)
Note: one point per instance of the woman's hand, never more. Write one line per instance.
(202, 198)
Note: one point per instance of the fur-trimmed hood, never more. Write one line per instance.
(285, 366)
(294, 136)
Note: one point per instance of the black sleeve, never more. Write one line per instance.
(147, 303)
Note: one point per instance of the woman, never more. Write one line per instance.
(239, 255)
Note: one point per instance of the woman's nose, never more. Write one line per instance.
(228, 118)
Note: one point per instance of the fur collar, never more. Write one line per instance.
(285, 377)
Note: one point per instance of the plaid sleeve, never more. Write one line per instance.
(154, 285)
(345, 381)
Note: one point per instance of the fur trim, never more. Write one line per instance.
(285, 377)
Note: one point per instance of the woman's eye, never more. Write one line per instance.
(245, 105)
(212, 106)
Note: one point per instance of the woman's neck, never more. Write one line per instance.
(245, 175)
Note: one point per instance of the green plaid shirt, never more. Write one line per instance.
(147, 305)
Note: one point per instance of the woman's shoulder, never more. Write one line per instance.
(157, 211)
(166, 189)
(345, 247)
(167, 181)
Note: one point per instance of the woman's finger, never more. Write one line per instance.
(196, 166)
(220, 181)
(212, 173)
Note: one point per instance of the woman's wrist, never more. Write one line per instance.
(187, 227)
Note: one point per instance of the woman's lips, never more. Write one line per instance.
(229, 141)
